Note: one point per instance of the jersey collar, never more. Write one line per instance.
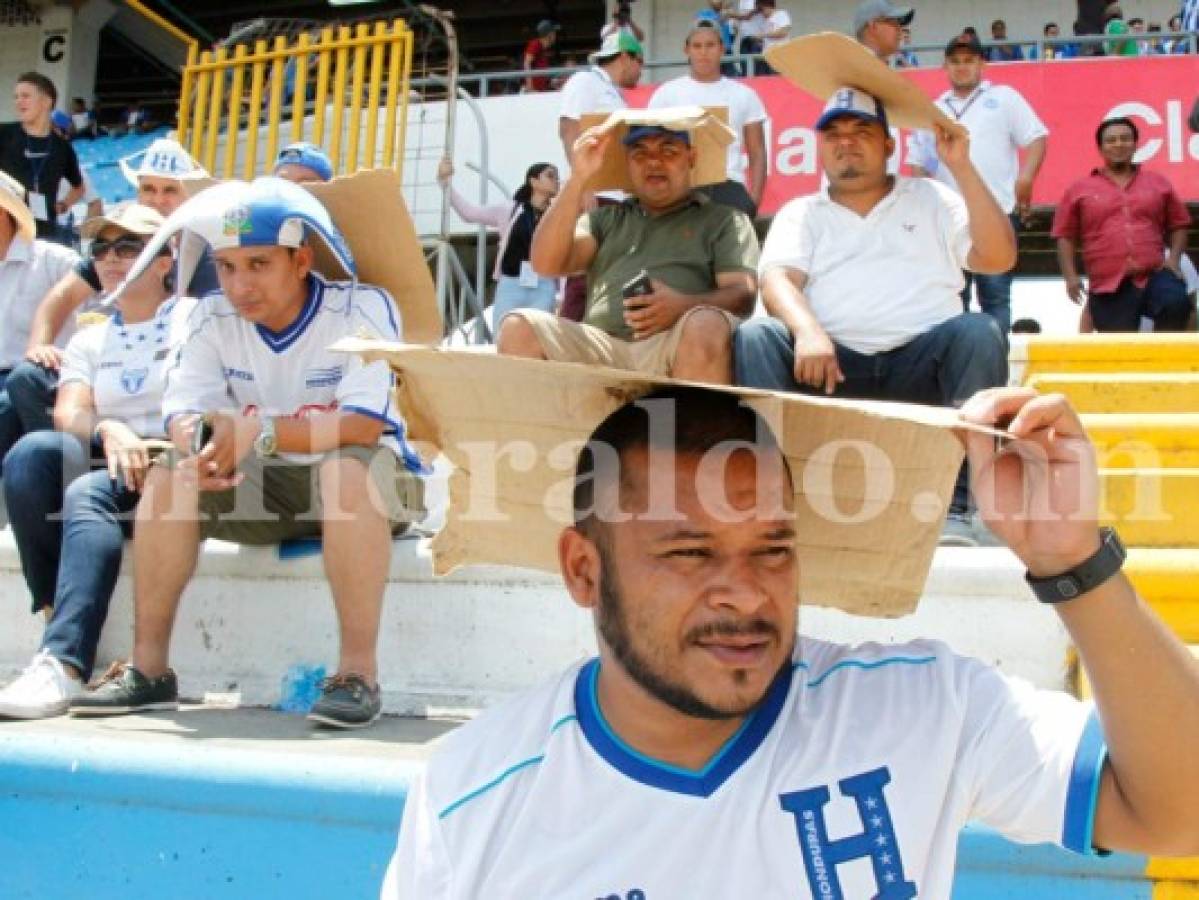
(639, 767)
(279, 341)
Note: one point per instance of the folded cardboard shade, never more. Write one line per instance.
(707, 127)
(872, 479)
(369, 210)
(822, 64)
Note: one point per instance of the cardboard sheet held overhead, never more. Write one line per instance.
(369, 210)
(873, 480)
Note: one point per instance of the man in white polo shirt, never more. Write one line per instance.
(29, 267)
(862, 280)
(614, 67)
(1001, 124)
(705, 86)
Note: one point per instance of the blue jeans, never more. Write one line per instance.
(510, 294)
(27, 393)
(944, 366)
(70, 560)
(994, 291)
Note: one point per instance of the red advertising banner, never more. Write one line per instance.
(1071, 97)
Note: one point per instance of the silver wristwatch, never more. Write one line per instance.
(266, 444)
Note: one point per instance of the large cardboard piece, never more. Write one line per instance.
(369, 210)
(707, 127)
(873, 480)
(822, 64)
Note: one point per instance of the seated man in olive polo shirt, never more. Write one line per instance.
(697, 257)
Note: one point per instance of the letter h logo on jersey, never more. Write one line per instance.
(878, 842)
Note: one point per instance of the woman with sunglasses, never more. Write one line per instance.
(108, 417)
(517, 285)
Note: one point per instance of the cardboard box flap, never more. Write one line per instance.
(873, 480)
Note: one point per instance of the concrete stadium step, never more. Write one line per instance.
(1152, 507)
(1149, 440)
(1111, 353)
(1123, 392)
(456, 644)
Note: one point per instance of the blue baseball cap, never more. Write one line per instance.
(267, 212)
(848, 101)
(637, 132)
(308, 155)
(60, 120)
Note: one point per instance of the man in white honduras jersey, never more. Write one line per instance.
(708, 753)
(285, 412)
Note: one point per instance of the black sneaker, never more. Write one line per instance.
(123, 689)
(347, 701)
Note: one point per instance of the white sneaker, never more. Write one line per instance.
(43, 690)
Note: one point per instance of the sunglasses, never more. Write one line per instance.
(292, 155)
(124, 247)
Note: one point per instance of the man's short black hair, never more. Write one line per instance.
(41, 82)
(1119, 120)
(1048, 25)
(703, 419)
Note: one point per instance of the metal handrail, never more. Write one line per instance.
(749, 62)
(170, 27)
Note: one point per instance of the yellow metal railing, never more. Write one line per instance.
(349, 95)
(193, 46)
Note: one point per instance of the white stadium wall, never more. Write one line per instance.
(63, 46)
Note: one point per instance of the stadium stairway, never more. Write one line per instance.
(232, 798)
(1139, 399)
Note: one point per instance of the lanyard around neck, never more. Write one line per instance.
(959, 113)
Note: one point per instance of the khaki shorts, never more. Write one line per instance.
(565, 341)
(278, 500)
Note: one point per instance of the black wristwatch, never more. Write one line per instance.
(1086, 576)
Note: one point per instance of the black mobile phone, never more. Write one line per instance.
(201, 435)
(638, 286)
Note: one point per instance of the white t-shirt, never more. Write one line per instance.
(589, 91)
(856, 774)
(876, 282)
(743, 104)
(760, 26)
(125, 365)
(1000, 123)
(230, 363)
(27, 271)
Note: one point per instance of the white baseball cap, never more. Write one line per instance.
(164, 158)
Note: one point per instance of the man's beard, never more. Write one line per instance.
(614, 629)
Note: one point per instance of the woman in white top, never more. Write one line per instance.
(108, 414)
(517, 285)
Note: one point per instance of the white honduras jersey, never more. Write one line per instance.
(228, 362)
(125, 365)
(852, 780)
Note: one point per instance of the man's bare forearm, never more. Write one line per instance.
(553, 241)
(993, 243)
(1065, 258)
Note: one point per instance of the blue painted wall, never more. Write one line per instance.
(164, 822)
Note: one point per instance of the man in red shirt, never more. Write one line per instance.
(537, 55)
(1126, 219)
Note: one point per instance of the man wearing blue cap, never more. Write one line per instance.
(277, 437)
(669, 272)
(862, 280)
(302, 162)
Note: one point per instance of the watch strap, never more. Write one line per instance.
(1086, 576)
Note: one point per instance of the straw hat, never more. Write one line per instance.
(12, 201)
(133, 218)
(823, 64)
(705, 127)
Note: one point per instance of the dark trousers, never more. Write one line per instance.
(1163, 299)
(70, 541)
(944, 366)
(27, 393)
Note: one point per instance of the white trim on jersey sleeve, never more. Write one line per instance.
(365, 388)
(1031, 759)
